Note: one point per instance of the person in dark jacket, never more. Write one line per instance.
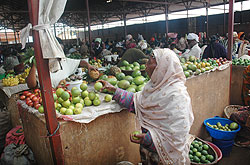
(214, 49)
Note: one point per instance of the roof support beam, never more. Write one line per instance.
(230, 29)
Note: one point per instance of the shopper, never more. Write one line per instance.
(214, 49)
(182, 43)
(242, 45)
(193, 48)
(163, 109)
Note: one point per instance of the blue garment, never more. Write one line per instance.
(214, 50)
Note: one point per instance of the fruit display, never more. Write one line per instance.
(73, 77)
(67, 102)
(239, 61)
(75, 55)
(193, 66)
(134, 83)
(97, 63)
(12, 80)
(227, 127)
(201, 153)
(131, 67)
(33, 99)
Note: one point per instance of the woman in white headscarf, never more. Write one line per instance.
(163, 109)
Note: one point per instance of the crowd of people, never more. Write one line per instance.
(187, 45)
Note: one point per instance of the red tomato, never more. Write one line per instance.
(34, 99)
(69, 92)
(31, 104)
(40, 101)
(22, 97)
(37, 105)
(70, 99)
(31, 96)
(28, 101)
(36, 102)
(25, 92)
(28, 94)
(37, 90)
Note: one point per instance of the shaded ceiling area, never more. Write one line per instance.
(14, 13)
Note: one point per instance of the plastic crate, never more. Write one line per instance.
(218, 134)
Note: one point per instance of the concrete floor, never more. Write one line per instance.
(238, 156)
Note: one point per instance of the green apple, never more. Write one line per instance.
(63, 110)
(88, 102)
(79, 105)
(84, 94)
(96, 102)
(108, 98)
(69, 112)
(77, 111)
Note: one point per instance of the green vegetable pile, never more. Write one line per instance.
(199, 153)
(241, 62)
(75, 55)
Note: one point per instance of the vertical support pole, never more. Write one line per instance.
(46, 88)
(6, 35)
(13, 26)
(187, 22)
(166, 20)
(18, 37)
(103, 30)
(85, 35)
(64, 31)
(125, 23)
(89, 29)
(207, 18)
(230, 29)
(224, 18)
(55, 29)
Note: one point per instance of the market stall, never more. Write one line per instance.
(106, 138)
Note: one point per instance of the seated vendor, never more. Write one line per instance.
(193, 48)
(97, 49)
(214, 49)
(69, 67)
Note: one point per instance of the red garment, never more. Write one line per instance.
(15, 135)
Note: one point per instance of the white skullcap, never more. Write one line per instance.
(235, 35)
(192, 36)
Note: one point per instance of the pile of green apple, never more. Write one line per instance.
(72, 102)
(135, 66)
(133, 83)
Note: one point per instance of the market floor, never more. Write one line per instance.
(238, 156)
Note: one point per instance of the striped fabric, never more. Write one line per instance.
(126, 99)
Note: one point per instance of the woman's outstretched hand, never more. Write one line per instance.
(107, 85)
(140, 138)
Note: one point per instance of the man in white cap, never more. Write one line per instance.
(193, 48)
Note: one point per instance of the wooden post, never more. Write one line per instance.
(125, 24)
(166, 19)
(230, 28)
(207, 18)
(90, 37)
(46, 89)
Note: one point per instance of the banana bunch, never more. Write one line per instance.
(11, 81)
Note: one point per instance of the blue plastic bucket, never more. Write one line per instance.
(224, 145)
(218, 134)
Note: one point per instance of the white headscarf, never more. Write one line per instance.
(164, 108)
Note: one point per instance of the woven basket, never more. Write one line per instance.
(228, 110)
